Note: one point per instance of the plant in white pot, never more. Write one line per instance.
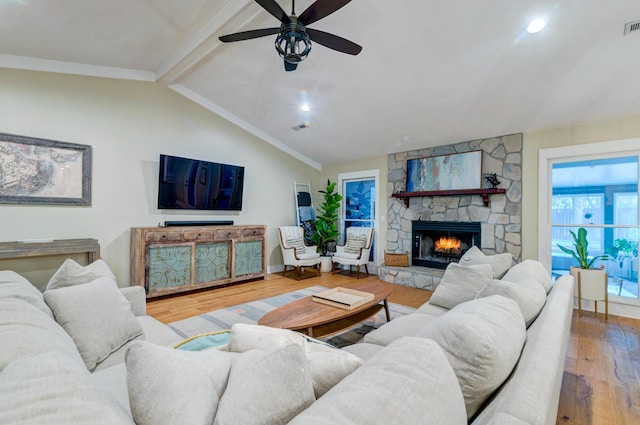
(326, 235)
(591, 283)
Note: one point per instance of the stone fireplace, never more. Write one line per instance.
(438, 243)
(498, 216)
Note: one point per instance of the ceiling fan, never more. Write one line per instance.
(293, 42)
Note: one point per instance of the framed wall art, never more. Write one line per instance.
(445, 172)
(41, 171)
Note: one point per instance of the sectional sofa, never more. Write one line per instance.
(86, 352)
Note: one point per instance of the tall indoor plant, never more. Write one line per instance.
(326, 234)
(580, 250)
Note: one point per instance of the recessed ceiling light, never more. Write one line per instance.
(536, 25)
(305, 107)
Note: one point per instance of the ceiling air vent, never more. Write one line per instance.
(300, 127)
(630, 27)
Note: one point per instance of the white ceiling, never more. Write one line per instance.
(430, 72)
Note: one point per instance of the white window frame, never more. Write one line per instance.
(361, 175)
(546, 159)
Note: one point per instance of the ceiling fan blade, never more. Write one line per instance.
(247, 35)
(334, 42)
(320, 9)
(272, 7)
(288, 66)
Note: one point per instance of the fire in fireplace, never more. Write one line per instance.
(438, 243)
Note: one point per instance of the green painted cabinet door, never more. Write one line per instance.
(248, 257)
(169, 267)
(212, 262)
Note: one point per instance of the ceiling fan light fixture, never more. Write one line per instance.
(293, 44)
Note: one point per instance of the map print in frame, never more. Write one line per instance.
(41, 171)
(445, 172)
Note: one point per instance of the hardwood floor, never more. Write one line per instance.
(601, 383)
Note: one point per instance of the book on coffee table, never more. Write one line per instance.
(343, 298)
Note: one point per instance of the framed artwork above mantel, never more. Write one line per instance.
(42, 171)
(459, 171)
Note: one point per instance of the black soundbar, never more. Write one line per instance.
(199, 223)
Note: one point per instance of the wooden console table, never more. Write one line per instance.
(12, 250)
(167, 260)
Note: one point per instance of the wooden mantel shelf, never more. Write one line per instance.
(483, 192)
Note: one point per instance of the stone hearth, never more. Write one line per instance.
(500, 221)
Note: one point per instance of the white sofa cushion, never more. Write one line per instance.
(528, 293)
(71, 273)
(96, 315)
(168, 386)
(461, 283)
(12, 285)
(26, 330)
(408, 382)
(530, 269)
(499, 263)
(482, 339)
(268, 387)
(328, 365)
(52, 388)
(408, 325)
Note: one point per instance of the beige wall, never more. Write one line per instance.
(129, 124)
(617, 129)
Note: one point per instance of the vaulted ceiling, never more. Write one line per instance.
(430, 72)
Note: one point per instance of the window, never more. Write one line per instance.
(601, 195)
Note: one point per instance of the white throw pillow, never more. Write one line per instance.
(12, 285)
(25, 330)
(482, 339)
(500, 263)
(51, 388)
(460, 284)
(96, 315)
(528, 293)
(355, 243)
(329, 365)
(168, 387)
(530, 269)
(266, 388)
(407, 325)
(297, 244)
(71, 273)
(409, 382)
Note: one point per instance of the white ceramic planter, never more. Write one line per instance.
(591, 285)
(325, 264)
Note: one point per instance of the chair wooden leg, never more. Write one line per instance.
(366, 269)
(284, 272)
(358, 271)
(318, 267)
(299, 270)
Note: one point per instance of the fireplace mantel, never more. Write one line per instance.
(483, 192)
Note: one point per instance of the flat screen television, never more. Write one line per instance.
(191, 184)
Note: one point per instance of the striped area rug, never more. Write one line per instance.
(250, 313)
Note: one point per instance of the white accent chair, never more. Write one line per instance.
(290, 237)
(355, 251)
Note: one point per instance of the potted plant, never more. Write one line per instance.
(591, 283)
(326, 234)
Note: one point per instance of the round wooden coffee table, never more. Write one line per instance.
(320, 320)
